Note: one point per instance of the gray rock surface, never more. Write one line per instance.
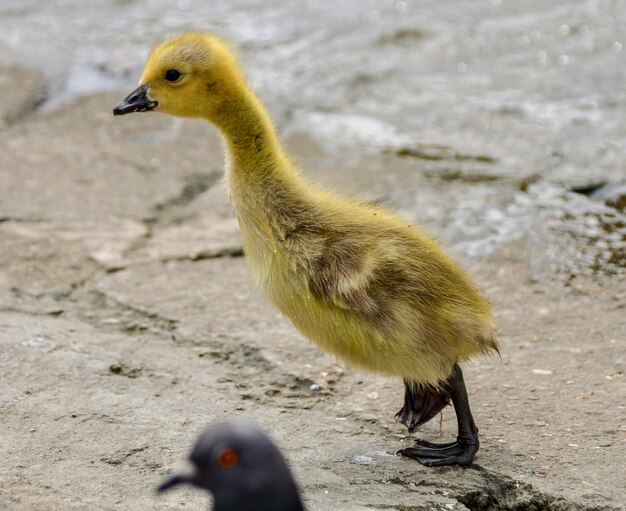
(128, 322)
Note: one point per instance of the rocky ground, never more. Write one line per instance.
(128, 322)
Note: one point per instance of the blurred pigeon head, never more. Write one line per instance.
(243, 469)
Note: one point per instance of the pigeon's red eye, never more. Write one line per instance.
(228, 458)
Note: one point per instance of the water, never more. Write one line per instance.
(550, 61)
(538, 86)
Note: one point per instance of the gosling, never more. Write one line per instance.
(352, 277)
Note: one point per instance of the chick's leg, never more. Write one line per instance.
(463, 450)
(420, 405)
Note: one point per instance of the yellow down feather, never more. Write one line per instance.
(352, 277)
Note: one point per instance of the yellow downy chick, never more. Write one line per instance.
(352, 277)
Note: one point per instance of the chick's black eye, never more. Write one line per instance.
(172, 75)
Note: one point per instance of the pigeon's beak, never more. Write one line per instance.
(187, 475)
(172, 481)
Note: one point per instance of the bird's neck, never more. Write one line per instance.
(283, 497)
(265, 189)
(253, 148)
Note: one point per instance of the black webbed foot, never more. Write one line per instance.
(433, 445)
(462, 451)
(454, 453)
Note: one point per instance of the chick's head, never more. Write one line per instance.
(192, 75)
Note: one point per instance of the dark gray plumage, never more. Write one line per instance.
(243, 469)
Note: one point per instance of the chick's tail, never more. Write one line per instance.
(489, 344)
(421, 403)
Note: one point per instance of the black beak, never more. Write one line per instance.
(136, 101)
(175, 480)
